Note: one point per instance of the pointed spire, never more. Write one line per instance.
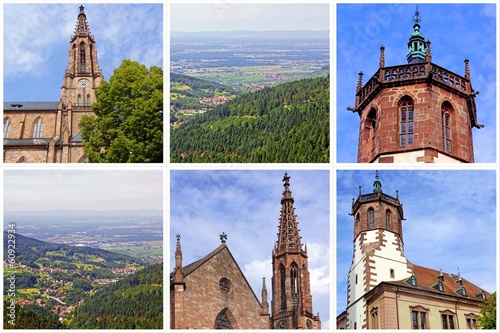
(377, 184)
(381, 62)
(264, 304)
(428, 54)
(360, 82)
(416, 43)
(178, 275)
(467, 70)
(288, 236)
(82, 27)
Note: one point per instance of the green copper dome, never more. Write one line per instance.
(416, 43)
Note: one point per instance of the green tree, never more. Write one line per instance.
(488, 317)
(128, 122)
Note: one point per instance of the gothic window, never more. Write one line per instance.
(82, 58)
(6, 127)
(447, 320)
(38, 128)
(21, 160)
(222, 322)
(388, 219)
(294, 285)
(88, 100)
(79, 100)
(371, 218)
(372, 117)
(405, 121)
(446, 110)
(283, 288)
(357, 220)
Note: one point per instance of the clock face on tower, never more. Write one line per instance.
(83, 83)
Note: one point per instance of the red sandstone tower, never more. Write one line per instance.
(292, 300)
(417, 112)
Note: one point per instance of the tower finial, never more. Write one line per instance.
(360, 82)
(381, 62)
(377, 184)
(416, 17)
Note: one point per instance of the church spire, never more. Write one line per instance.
(178, 275)
(377, 184)
(264, 304)
(288, 237)
(416, 44)
(82, 27)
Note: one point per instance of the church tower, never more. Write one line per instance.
(81, 78)
(291, 296)
(378, 249)
(416, 112)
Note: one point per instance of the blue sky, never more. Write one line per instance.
(45, 190)
(450, 221)
(36, 43)
(456, 32)
(236, 15)
(246, 206)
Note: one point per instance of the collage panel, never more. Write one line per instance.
(419, 83)
(83, 249)
(83, 84)
(250, 82)
(416, 249)
(247, 254)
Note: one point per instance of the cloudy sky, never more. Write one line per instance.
(237, 15)
(450, 221)
(45, 190)
(455, 31)
(36, 43)
(246, 206)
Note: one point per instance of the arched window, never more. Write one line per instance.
(88, 99)
(225, 320)
(82, 58)
(6, 127)
(372, 117)
(357, 220)
(405, 121)
(371, 218)
(446, 111)
(38, 128)
(294, 285)
(283, 287)
(79, 100)
(388, 219)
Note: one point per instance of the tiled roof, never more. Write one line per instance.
(30, 106)
(427, 277)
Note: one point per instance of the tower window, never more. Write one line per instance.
(388, 219)
(282, 285)
(88, 100)
(371, 218)
(406, 122)
(79, 100)
(82, 58)
(6, 128)
(372, 118)
(293, 282)
(446, 110)
(38, 128)
(391, 273)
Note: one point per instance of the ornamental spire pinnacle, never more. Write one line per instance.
(416, 44)
(288, 236)
(82, 27)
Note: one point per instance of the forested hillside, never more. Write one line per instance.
(136, 302)
(288, 123)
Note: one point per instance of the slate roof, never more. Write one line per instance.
(31, 106)
(427, 278)
(26, 142)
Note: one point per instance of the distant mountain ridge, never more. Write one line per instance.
(62, 212)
